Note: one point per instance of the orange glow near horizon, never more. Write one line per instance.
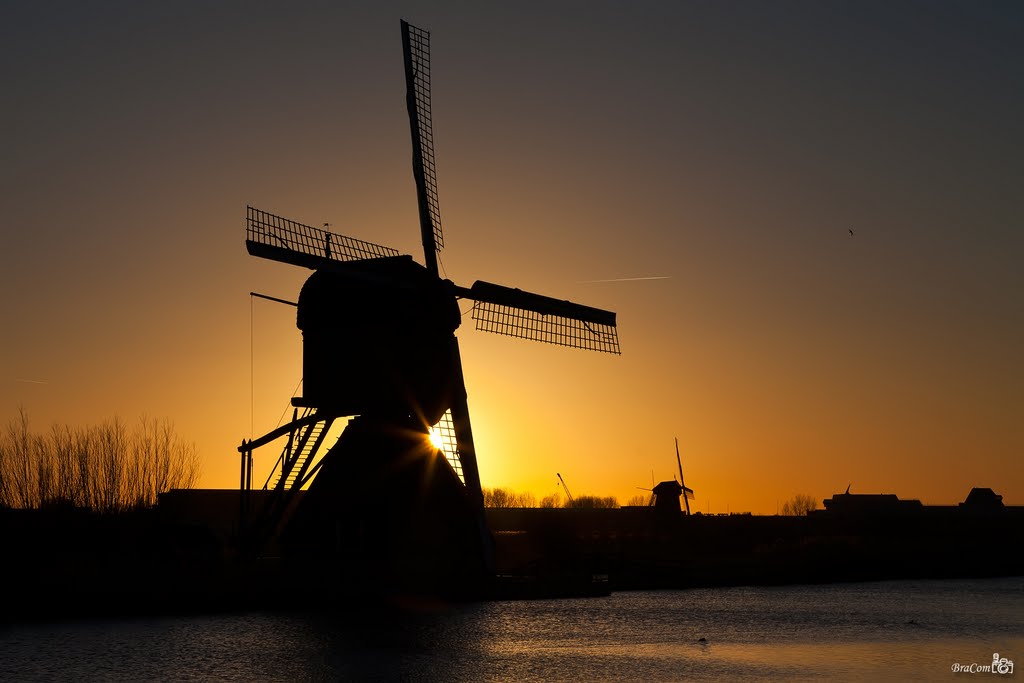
(831, 204)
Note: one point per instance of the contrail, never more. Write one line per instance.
(628, 279)
(32, 381)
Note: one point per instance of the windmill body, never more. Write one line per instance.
(379, 344)
(378, 340)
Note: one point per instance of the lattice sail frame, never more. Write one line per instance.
(551, 329)
(445, 428)
(419, 63)
(275, 232)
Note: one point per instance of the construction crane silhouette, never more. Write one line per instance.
(566, 489)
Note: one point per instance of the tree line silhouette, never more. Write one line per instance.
(801, 504)
(506, 498)
(105, 468)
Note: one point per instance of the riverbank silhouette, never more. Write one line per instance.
(180, 556)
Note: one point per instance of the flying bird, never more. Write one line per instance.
(851, 233)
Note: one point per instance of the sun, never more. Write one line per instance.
(436, 439)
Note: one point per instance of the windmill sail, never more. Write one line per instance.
(416, 50)
(516, 313)
(378, 342)
(686, 491)
(281, 239)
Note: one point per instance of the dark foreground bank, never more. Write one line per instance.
(180, 557)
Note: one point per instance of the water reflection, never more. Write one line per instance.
(891, 630)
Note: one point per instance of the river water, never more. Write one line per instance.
(899, 630)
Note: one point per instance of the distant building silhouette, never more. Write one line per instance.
(983, 500)
(871, 503)
(980, 501)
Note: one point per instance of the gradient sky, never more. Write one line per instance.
(728, 147)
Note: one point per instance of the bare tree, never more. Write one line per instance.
(593, 502)
(111, 465)
(497, 498)
(526, 500)
(63, 448)
(19, 463)
(161, 462)
(105, 468)
(801, 504)
(552, 501)
(638, 500)
(506, 498)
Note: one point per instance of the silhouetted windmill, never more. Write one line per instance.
(378, 341)
(665, 496)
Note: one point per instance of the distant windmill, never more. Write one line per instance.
(378, 341)
(665, 496)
